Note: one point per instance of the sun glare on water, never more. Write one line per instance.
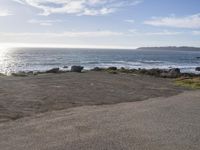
(5, 60)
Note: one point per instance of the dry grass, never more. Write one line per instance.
(193, 83)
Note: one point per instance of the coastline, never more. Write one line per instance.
(158, 72)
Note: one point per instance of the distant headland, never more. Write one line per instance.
(181, 48)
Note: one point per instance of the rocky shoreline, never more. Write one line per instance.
(163, 73)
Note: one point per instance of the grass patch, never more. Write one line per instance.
(193, 83)
(19, 74)
(1, 74)
(112, 71)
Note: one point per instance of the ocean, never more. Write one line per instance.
(41, 59)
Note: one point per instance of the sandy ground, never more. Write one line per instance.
(70, 112)
(27, 96)
(171, 123)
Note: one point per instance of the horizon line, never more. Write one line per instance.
(46, 45)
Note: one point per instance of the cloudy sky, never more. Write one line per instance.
(100, 23)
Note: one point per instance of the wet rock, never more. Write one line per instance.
(65, 67)
(54, 70)
(197, 68)
(77, 69)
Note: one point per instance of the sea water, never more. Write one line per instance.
(41, 59)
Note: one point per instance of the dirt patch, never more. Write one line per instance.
(26, 96)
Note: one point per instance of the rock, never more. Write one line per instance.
(76, 68)
(65, 67)
(30, 73)
(167, 75)
(124, 70)
(97, 69)
(54, 70)
(152, 72)
(175, 71)
(142, 71)
(112, 68)
(172, 73)
(133, 70)
(155, 72)
(197, 69)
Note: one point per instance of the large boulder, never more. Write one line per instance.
(54, 70)
(197, 69)
(77, 69)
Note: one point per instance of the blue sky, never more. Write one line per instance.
(100, 23)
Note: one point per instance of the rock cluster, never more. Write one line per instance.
(77, 69)
(53, 70)
(165, 73)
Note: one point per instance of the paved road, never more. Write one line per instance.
(157, 124)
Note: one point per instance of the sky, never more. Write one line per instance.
(100, 23)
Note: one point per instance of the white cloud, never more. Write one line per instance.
(71, 37)
(19, 1)
(130, 21)
(135, 32)
(88, 34)
(164, 32)
(5, 12)
(64, 34)
(44, 22)
(190, 22)
(78, 7)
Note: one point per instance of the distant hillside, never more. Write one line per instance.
(183, 48)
